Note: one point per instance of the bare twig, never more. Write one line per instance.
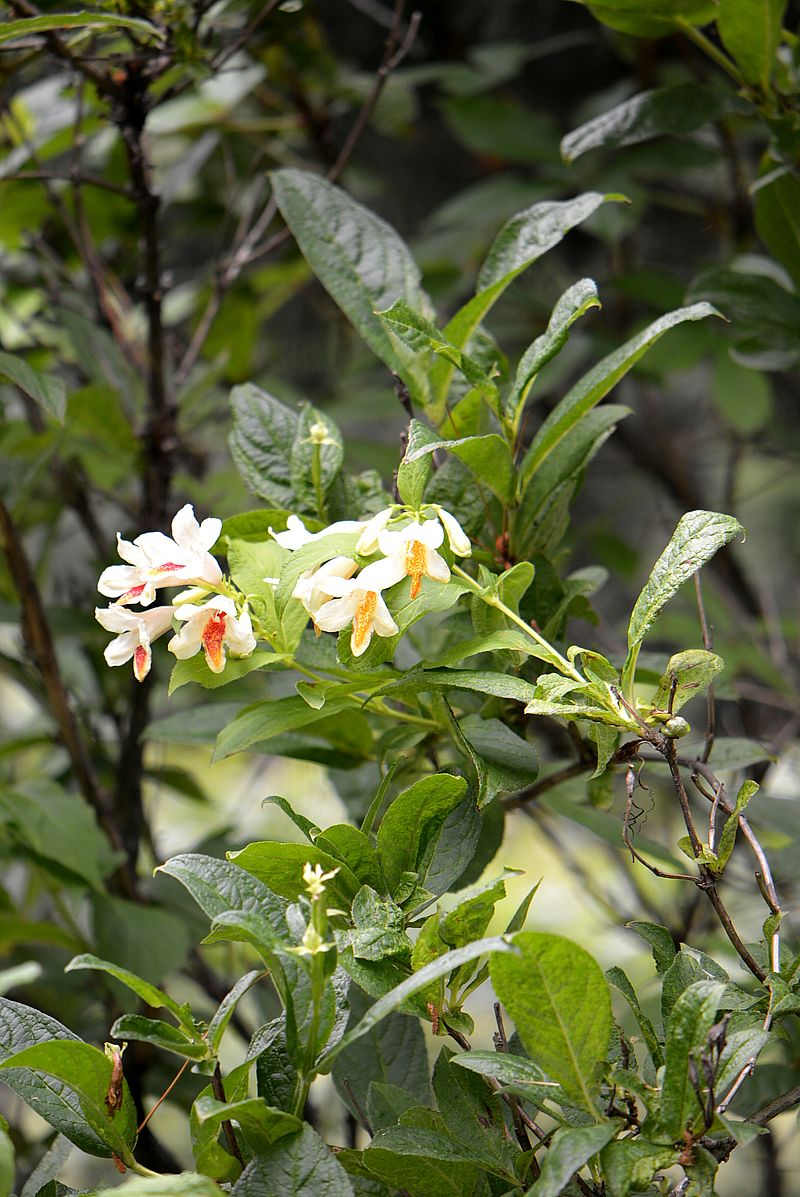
(227, 1128)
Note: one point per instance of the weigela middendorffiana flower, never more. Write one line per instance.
(155, 560)
(359, 600)
(214, 627)
(312, 943)
(412, 550)
(137, 630)
(297, 534)
(309, 593)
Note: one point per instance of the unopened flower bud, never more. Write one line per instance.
(676, 727)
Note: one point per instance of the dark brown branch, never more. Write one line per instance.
(227, 1128)
(46, 176)
(533, 791)
(38, 637)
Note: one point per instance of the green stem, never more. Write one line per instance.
(491, 600)
(713, 52)
(316, 479)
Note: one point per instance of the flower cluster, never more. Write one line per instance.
(213, 616)
(155, 561)
(337, 593)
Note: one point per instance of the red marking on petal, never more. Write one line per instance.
(133, 593)
(167, 568)
(213, 635)
(141, 662)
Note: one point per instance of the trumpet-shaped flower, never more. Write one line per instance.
(310, 594)
(359, 600)
(456, 536)
(137, 630)
(368, 540)
(214, 627)
(155, 560)
(297, 534)
(412, 551)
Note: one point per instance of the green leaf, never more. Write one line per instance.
(60, 830)
(691, 672)
(87, 1072)
(353, 848)
(487, 457)
(472, 1114)
(651, 18)
(520, 243)
(10, 30)
(260, 1124)
(513, 1072)
(560, 1002)
(262, 721)
(691, 1019)
(744, 396)
(160, 1034)
(628, 1165)
(777, 214)
(393, 1052)
(298, 1165)
(218, 885)
(530, 234)
(150, 994)
(280, 867)
(696, 539)
(188, 1184)
(391, 1001)
(506, 762)
(539, 484)
(570, 1148)
(727, 838)
(6, 1162)
(573, 304)
(261, 444)
(45, 389)
(675, 110)
(422, 1159)
(410, 828)
(764, 315)
(224, 1012)
(594, 386)
(415, 469)
(421, 335)
(20, 1027)
(619, 979)
(750, 30)
(661, 943)
(359, 259)
(502, 685)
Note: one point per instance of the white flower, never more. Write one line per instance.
(412, 551)
(213, 627)
(297, 534)
(315, 879)
(309, 593)
(368, 540)
(456, 536)
(359, 600)
(137, 631)
(155, 560)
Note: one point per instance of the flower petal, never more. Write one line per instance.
(436, 567)
(368, 540)
(121, 648)
(336, 614)
(117, 619)
(382, 619)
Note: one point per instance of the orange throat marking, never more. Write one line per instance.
(362, 620)
(213, 634)
(415, 564)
